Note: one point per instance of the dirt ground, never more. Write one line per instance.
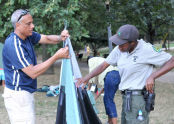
(46, 107)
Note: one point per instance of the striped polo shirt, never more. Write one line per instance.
(18, 54)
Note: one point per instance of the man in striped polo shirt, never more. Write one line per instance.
(21, 68)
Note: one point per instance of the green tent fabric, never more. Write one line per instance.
(71, 106)
(1, 47)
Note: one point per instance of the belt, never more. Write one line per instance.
(133, 92)
(128, 97)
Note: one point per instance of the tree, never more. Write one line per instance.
(96, 23)
(48, 15)
(88, 20)
(152, 17)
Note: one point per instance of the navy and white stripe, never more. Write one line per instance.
(16, 78)
(20, 53)
(17, 82)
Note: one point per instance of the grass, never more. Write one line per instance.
(103, 51)
(46, 107)
(160, 45)
(171, 52)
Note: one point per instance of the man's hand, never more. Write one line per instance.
(80, 81)
(62, 53)
(64, 35)
(150, 84)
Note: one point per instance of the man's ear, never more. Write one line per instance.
(17, 24)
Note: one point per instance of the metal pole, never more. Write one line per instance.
(109, 35)
(107, 2)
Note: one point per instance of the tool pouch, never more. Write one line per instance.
(149, 99)
(128, 100)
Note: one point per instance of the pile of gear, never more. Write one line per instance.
(51, 90)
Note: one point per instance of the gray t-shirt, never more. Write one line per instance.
(137, 66)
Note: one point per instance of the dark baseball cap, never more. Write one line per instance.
(125, 34)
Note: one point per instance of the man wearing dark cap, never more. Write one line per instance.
(135, 60)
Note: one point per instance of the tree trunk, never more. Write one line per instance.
(46, 56)
(95, 52)
(94, 49)
(151, 34)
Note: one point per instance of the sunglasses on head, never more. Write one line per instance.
(25, 12)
